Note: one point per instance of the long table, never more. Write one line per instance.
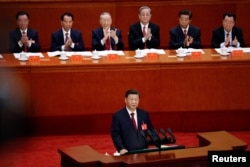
(210, 83)
(209, 141)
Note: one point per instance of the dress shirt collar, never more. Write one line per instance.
(185, 29)
(24, 31)
(105, 29)
(142, 25)
(225, 32)
(129, 112)
(64, 32)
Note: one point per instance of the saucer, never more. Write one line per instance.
(23, 59)
(181, 55)
(224, 54)
(63, 58)
(138, 56)
(96, 57)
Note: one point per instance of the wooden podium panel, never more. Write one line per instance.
(209, 141)
(171, 87)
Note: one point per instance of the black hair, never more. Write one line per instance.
(21, 13)
(186, 12)
(132, 92)
(229, 14)
(67, 14)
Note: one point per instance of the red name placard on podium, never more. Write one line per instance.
(196, 55)
(112, 56)
(34, 59)
(152, 56)
(237, 53)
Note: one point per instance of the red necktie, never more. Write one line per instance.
(144, 33)
(185, 33)
(228, 44)
(66, 38)
(107, 44)
(25, 47)
(133, 120)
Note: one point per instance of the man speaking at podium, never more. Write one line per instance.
(128, 123)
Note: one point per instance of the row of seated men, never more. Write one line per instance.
(142, 34)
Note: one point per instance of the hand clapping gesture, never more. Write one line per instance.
(148, 35)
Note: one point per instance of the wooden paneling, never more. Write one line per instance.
(45, 16)
(208, 93)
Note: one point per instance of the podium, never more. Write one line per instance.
(79, 156)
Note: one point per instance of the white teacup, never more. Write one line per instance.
(95, 54)
(181, 51)
(138, 52)
(63, 55)
(223, 50)
(23, 55)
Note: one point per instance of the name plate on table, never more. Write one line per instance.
(34, 59)
(76, 58)
(237, 53)
(152, 56)
(112, 56)
(196, 55)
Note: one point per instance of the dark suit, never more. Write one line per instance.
(123, 132)
(177, 37)
(97, 36)
(57, 40)
(16, 35)
(219, 36)
(135, 36)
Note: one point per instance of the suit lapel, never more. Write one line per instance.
(61, 36)
(138, 27)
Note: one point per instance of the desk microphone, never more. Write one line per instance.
(145, 136)
(154, 137)
(171, 134)
(166, 139)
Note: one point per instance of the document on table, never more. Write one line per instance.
(106, 52)
(158, 51)
(188, 51)
(28, 54)
(230, 49)
(69, 54)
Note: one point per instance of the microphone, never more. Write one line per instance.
(155, 138)
(144, 136)
(166, 139)
(171, 134)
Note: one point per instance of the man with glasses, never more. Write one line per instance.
(228, 34)
(23, 38)
(144, 34)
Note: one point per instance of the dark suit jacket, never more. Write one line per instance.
(135, 36)
(177, 37)
(123, 132)
(97, 36)
(15, 36)
(57, 40)
(219, 36)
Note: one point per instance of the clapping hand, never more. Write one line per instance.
(113, 33)
(235, 41)
(188, 41)
(148, 35)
